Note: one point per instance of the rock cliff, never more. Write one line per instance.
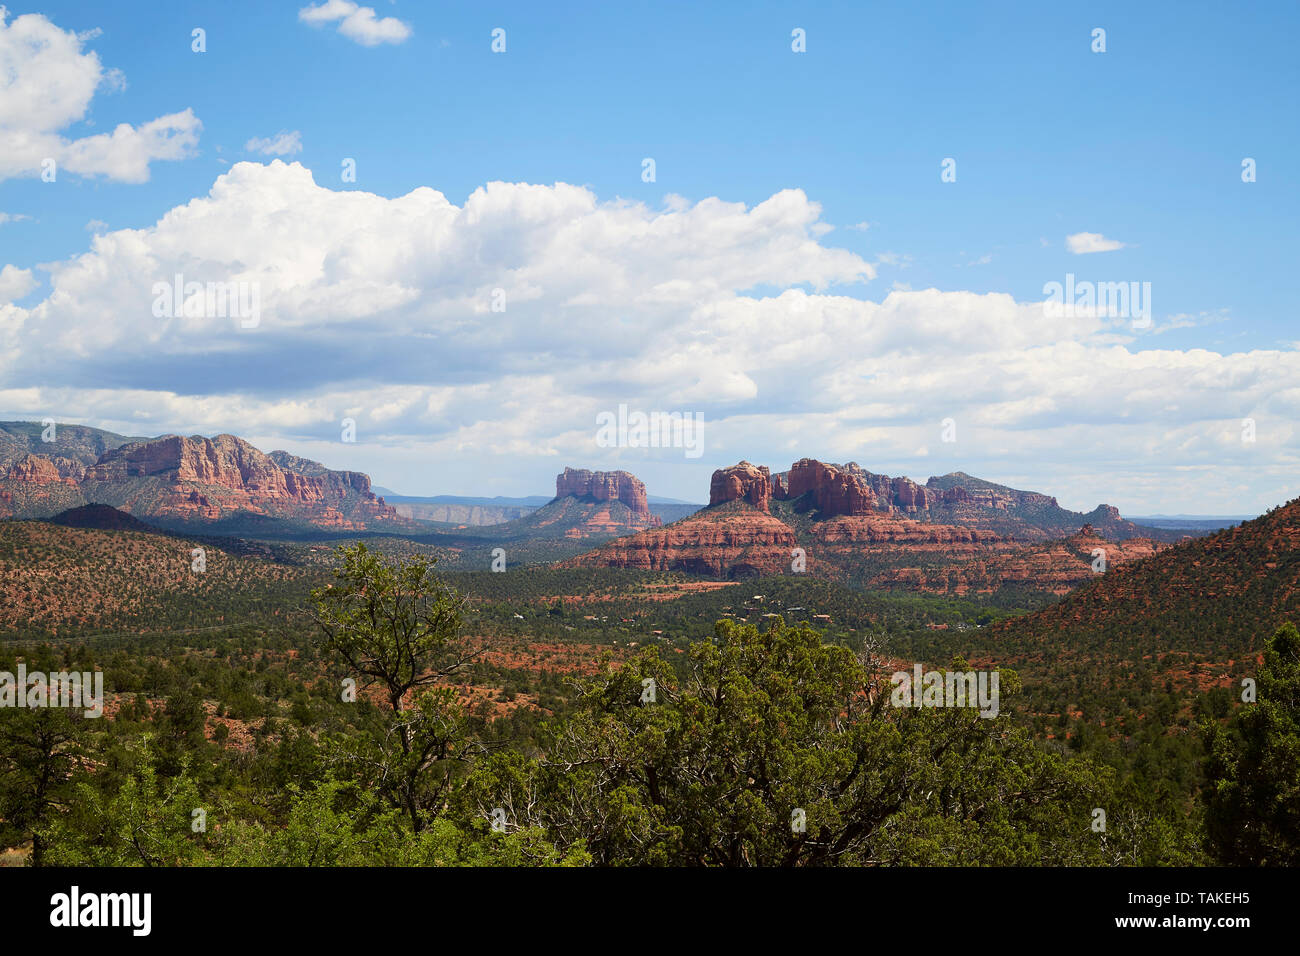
(190, 478)
(603, 486)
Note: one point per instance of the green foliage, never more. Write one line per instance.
(145, 821)
(37, 759)
(390, 621)
(748, 724)
(1252, 789)
(771, 727)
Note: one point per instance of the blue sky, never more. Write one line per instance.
(1141, 144)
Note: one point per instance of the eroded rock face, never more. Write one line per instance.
(909, 496)
(954, 534)
(603, 486)
(866, 532)
(835, 490)
(36, 486)
(31, 468)
(207, 478)
(1054, 566)
(69, 468)
(745, 543)
(742, 482)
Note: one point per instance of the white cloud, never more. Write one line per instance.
(894, 259)
(47, 82)
(1184, 320)
(13, 217)
(1082, 243)
(283, 143)
(356, 22)
(382, 309)
(15, 283)
(96, 226)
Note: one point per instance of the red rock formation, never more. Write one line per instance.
(603, 486)
(210, 477)
(909, 496)
(743, 543)
(742, 482)
(69, 468)
(967, 536)
(866, 532)
(38, 486)
(32, 468)
(835, 490)
(1055, 566)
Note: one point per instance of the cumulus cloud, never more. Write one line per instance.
(1082, 243)
(283, 143)
(475, 344)
(356, 22)
(15, 283)
(47, 81)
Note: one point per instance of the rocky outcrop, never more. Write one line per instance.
(34, 486)
(953, 534)
(32, 468)
(848, 490)
(834, 490)
(744, 544)
(742, 482)
(69, 468)
(910, 497)
(867, 532)
(603, 486)
(206, 479)
(1056, 566)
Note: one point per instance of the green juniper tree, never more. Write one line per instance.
(775, 749)
(1252, 771)
(393, 624)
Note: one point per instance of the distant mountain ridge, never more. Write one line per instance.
(482, 512)
(955, 534)
(176, 481)
(1203, 523)
(1237, 584)
(830, 490)
(77, 442)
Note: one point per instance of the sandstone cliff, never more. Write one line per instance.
(832, 491)
(178, 479)
(603, 486)
(742, 482)
(1056, 566)
(741, 544)
(209, 478)
(953, 534)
